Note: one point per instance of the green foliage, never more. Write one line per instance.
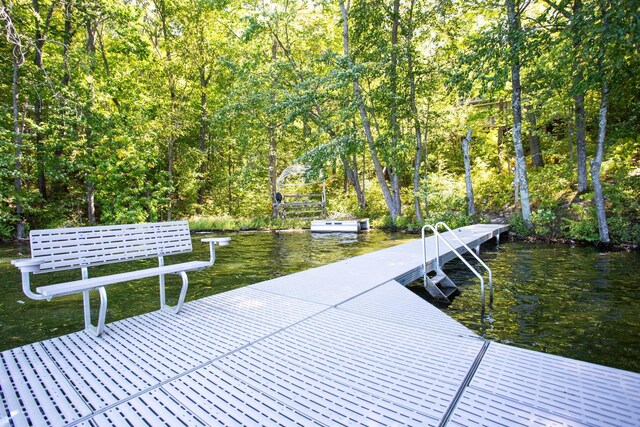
(227, 223)
(517, 225)
(7, 225)
(196, 121)
(544, 221)
(581, 224)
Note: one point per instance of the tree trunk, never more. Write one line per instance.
(204, 83)
(578, 97)
(162, 12)
(598, 197)
(388, 198)
(581, 145)
(273, 141)
(596, 163)
(17, 132)
(516, 187)
(534, 142)
(425, 146)
(170, 177)
(501, 133)
(416, 120)
(362, 202)
(66, 42)
(395, 127)
(273, 170)
(351, 173)
(90, 50)
(471, 208)
(514, 35)
(40, 37)
(502, 130)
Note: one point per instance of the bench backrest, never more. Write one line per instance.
(68, 248)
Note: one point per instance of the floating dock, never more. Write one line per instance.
(339, 226)
(342, 344)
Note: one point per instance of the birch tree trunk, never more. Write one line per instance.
(388, 198)
(471, 208)
(514, 35)
(596, 163)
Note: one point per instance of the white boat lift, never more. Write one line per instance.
(342, 344)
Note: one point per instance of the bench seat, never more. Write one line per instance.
(77, 286)
(87, 247)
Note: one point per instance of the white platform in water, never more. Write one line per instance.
(339, 225)
(342, 344)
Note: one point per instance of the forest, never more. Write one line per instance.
(412, 111)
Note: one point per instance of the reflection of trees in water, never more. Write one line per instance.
(573, 302)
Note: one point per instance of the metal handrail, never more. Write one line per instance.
(438, 236)
(474, 255)
(424, 250)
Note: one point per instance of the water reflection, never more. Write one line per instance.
(573, 302)
(340, 238)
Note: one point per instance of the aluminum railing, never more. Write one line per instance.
(475, 255)
(439, 237)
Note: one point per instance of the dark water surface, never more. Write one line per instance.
(570, 301)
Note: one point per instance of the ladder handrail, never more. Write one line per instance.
(441, 223)
(424, 248)
(439, 236)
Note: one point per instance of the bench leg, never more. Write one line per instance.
(102, 314)
(183, 293)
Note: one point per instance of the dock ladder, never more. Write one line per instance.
(440, 286)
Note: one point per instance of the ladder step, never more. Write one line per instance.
(438, 278)
(448, 291)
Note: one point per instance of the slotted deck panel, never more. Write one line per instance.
(583, 392)
(359, 365)
(219, 398)
(33, 392)
(478, 408)
(343, 344)
(393, 302)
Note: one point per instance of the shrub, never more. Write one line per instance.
(581, 224)
(544, 221)
(517, 225)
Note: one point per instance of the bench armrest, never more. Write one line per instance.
(28, 265)
(220, 241)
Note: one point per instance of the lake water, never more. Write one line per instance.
(570, 301)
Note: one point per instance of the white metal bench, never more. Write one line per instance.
(84, 247)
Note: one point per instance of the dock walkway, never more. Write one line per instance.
(342, 344)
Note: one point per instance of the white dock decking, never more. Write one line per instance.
(343, 344)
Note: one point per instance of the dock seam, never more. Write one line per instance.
(465, 384)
